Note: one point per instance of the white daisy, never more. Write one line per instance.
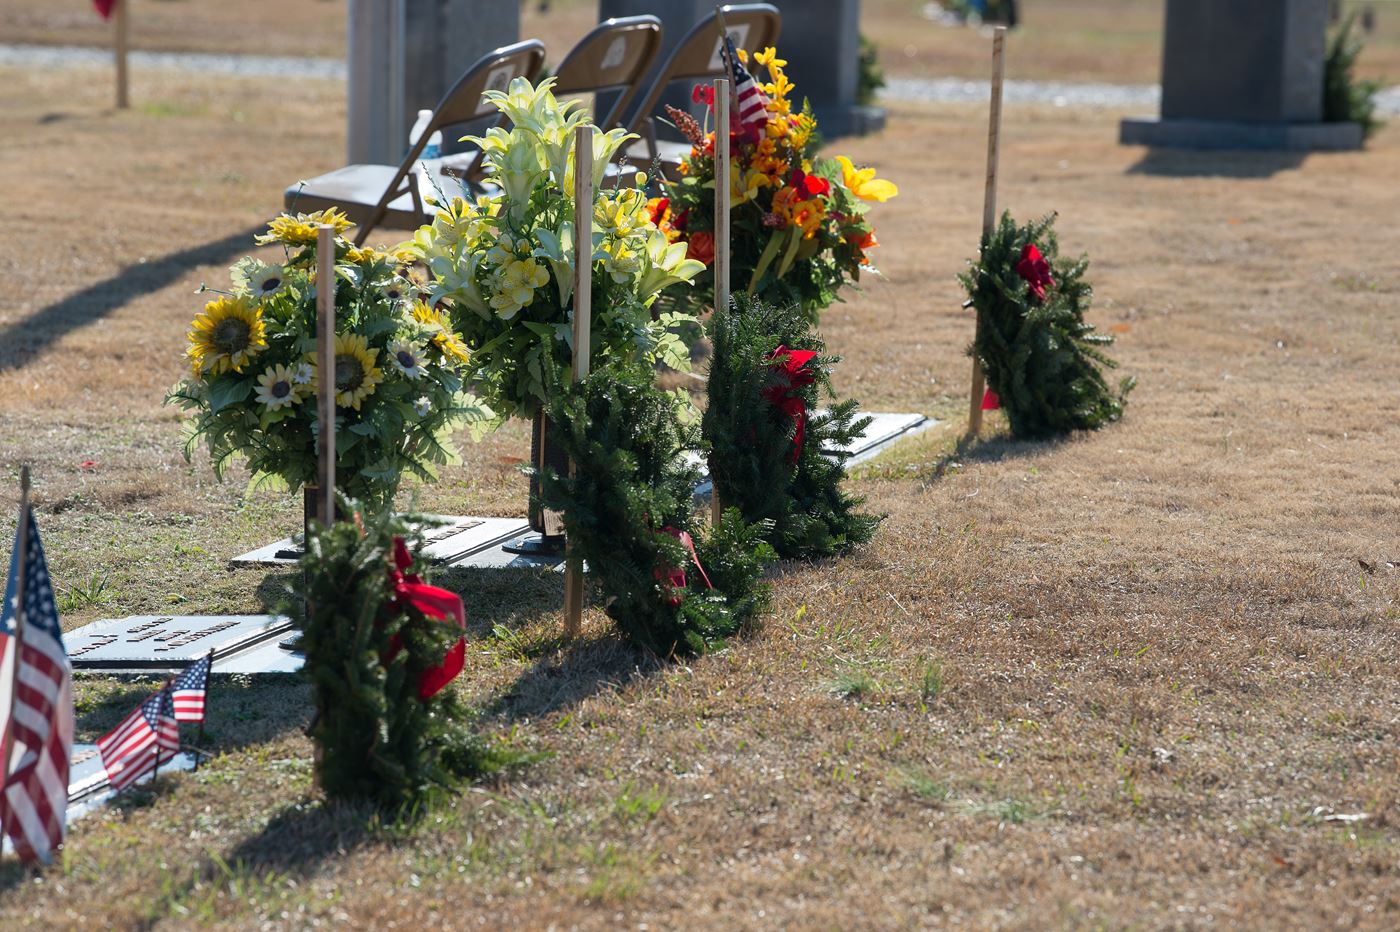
(264, 281)
(423, 406)
(303, 374)
(405, 357)
(396, 291)
(275, 388)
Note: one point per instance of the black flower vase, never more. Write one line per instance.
(547, 527)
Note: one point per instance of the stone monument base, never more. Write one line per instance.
(1225, 134)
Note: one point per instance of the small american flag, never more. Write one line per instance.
(34, 669)
(144, 738)
(751, 104)
(187, 690)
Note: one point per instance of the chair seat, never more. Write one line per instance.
(356, 189)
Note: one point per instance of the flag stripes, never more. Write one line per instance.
(39, 723)
(188, 690)
(751, 104)
(140, 741)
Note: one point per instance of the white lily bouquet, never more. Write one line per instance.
(503, 265)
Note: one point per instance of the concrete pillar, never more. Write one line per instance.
(404, 55)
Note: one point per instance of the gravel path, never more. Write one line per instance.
(931, 90)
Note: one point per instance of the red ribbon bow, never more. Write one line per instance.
(674, 576)
(793, 365)
(990, 400)
(1035, 270)
(434, 603)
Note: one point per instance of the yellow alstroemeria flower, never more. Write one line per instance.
(517, 281)
(863, 183)
(744, 185)
(769, 58)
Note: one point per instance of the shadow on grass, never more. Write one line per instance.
(1189, 163)
(29, 336)
(521, 613)
(974, 450)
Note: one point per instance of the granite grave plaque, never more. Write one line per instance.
(169, 642)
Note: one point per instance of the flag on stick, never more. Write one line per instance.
(138, 744)
(36, 701)
(750, 103)
(187, 690)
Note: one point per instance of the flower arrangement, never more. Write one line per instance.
(799, 225)
(503, 265)
(398, 369)
(766, 440)
(1041, 358)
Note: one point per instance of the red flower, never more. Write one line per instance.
(792, 364)
(701, 247)
(703, 94)
(658, 209)
(809, 185)
(679, 220)
(1035, 270)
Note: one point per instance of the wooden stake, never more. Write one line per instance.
(119, 46)
(325, 355)
(21, 573)
(722, 232)
(989, 211)
(583, 333)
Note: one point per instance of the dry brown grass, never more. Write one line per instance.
(1078, 40)
(1115, 681)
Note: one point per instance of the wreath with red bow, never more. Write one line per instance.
(381, 646)
(1043, 362)
(773, 453)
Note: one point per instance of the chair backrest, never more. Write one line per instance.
(614, 56)
(461, 104)
(492, 72)
(751, 25)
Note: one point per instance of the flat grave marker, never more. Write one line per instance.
(168, 643)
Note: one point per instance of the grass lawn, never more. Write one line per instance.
(1122, 680)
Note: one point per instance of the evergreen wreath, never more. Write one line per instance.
(628, 508)
(766, 439)
(386, 729)
(1041, 359)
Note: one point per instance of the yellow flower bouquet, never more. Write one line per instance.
(799, 225)
(398, 369)
(503, 265)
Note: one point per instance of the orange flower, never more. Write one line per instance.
(864, 241)
(789, 206)
(701, 247)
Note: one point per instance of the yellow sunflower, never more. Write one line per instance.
(226, 336)
(441, 335)
(301, 229)
(356, 374)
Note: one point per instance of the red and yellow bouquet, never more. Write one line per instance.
(799, 226)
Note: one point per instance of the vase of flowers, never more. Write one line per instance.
(799, 230)
(399, 370)
(502, 266)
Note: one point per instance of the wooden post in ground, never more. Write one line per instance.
(989, 212)
(325, 356)
(21, 564)
(120, 41)
(722, 233)
(583, 333)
